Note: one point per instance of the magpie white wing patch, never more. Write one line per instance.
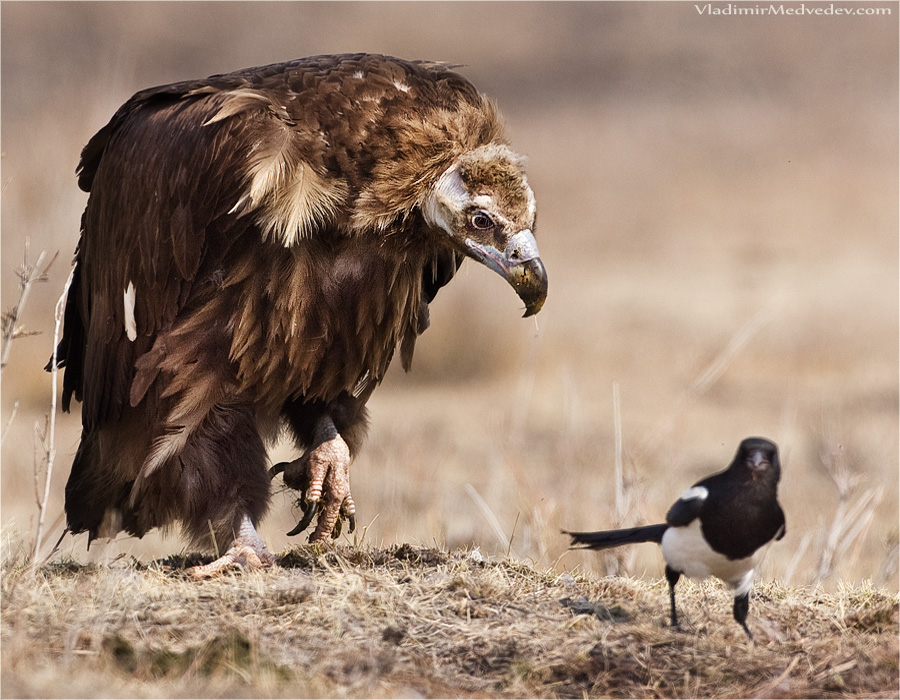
(688, 507)
(695, 493)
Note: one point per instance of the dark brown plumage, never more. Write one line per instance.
(254, 248)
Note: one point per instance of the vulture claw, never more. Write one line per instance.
(247, 552)
(345, 514)
(278, 469)
(309, 512)
(322, 476)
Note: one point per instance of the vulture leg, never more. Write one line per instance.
(247, 551)
(322, 475)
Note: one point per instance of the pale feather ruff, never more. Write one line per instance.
(289, 198)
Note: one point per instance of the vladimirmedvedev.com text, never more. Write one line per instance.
(779, 9)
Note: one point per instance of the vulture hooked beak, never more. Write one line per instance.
(519, 264)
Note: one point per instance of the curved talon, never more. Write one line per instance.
(309, 512)
(277, 469)
(298, 528)
(347, 512)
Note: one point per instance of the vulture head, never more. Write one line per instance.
(484, 204)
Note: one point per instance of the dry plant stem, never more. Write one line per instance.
(850, 522)
(489, 516)
(765, 689)
(51, 437)
(889, 566)
(848, 526)
(620, 561)
(512, 536)
(620, 477)
(614, 560)
(28, 275)
(9, 421)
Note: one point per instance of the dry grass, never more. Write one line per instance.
(422, 622)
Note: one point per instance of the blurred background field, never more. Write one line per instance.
(718, 204)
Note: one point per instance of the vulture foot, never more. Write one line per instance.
(247, 552)
(322, 476)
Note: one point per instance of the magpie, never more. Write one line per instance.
(718, 527)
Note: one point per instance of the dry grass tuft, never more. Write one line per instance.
(411, 621)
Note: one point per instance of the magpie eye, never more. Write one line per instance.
(482, 220)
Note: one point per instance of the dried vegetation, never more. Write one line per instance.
(419, 622)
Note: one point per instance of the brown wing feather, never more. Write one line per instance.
(158, 218)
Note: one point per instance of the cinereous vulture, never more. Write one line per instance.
(254, 247)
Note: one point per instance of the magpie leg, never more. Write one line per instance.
(672, 577)
(741, 607)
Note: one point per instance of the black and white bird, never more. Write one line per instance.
(719, 527)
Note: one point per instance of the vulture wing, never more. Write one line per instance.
(159, 228)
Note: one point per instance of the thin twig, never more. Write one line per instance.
(512, 536)
(39, 456)
(489, 516)
(360, 536)
(795, 559)
(28, 275)
(619, 561)
(9, 421)
(51, 436)
(619, 476)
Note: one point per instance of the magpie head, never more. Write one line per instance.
(760, 457)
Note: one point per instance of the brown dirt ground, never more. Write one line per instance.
(421, 622)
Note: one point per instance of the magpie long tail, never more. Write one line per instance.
(613, 538)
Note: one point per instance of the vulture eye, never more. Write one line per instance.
(481, 220)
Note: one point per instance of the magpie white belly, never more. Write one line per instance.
(685, 550)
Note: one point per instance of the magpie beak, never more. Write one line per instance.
(757, 463)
